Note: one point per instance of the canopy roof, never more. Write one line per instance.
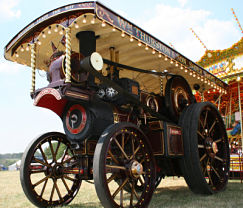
(136, 47)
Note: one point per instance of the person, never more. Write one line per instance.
(236, 129)
(233, 148)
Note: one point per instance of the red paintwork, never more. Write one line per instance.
(83, 122)
(51, 99)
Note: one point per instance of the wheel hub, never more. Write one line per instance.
(136, 169)
(211, 147)
(180, 99)
(55, 170)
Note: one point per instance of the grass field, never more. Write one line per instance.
(170, 193)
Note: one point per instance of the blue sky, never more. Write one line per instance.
(167, 20)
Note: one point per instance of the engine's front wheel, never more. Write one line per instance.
(124, 172)
(49, 172)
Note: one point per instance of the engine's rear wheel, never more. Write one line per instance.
(49, 171)
(206, 161)
(124, 168)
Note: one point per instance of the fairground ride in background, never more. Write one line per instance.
(227, 65)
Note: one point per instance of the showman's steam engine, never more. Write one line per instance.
(128, 112)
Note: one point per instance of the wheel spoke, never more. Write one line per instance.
(123, 140)
(203, 157)
(111, 178)
(201, 146)
(200, 134)
(121, 197)
(209, 175)
(41, 162)
(138, 148)
(142, 160)
(134, 191)
(65, 184)
(131, 198)
(121, 149)
(52, 192)
(201, 123)
(144, 173)
(58, 191)
(41, 181)
(120, 188)
(135, 152)
(113, 157)
(140, 180)
(212, 127)
(218, 158)
(43, 154)
(116, 167)
(52, 151)
(206, 167)
(58, 145)
(205, 119)
(216, 172)
(218, 140)
(65, 153)
(43, 188)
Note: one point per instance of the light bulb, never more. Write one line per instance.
(84, 20)
(76, 25)
(49, 30)
(43, 35)
(103, 24)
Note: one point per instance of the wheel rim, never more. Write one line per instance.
(50, 172)
(180, 100)
(178, 96)
(212, 148)
(128, 165)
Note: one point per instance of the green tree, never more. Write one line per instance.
(60, 152)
